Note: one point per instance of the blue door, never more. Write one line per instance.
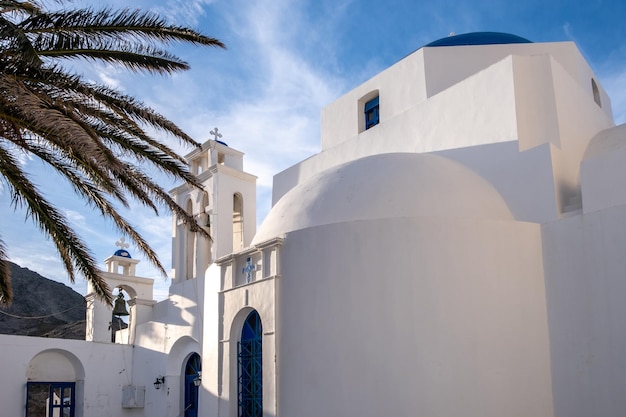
(193, 373)
(250, 367)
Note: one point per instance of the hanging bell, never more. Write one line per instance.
(119, 309)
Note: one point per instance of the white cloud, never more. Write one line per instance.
(183, 12)
(109, 76)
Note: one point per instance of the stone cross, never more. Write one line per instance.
(122, 244)
(248, 269)
(215, 133)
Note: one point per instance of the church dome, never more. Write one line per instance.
(122, 252)
(479, 38)
(385, 186)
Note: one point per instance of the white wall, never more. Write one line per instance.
(603, 170)
(425, 316)
(101, 394)
(460, 116)
(585, 289)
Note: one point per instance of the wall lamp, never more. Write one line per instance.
(197, 381)
(159, 381)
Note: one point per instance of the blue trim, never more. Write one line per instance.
(371, 113)
(250, 367)
(122, 252)
(479, 38)
(67, 406)
(193, 369)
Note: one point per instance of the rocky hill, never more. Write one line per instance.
(42, 307)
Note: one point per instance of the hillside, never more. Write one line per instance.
(42, 307)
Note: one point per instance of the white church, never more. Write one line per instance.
(456, 249)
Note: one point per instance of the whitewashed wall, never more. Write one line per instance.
(426, 316)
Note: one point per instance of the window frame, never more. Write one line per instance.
(50, 405)
(372, 108)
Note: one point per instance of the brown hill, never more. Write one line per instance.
(42, 307)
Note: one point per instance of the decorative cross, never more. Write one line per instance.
(215, 133)
(248, 269)
(122, 244)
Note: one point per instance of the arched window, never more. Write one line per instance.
(250, 367)
(596, 92)
(237, 222)
(190, 246)
(205, 202)
(193, 377)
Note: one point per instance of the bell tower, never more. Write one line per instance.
(226, 208)
(132, 291)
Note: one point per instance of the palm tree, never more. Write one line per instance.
(92, 135)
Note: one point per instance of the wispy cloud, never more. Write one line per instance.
(286, 59)
(183, 12)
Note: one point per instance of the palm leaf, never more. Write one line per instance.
(90, 134)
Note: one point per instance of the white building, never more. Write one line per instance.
(455, 249)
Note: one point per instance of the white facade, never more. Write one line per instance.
(460, 257)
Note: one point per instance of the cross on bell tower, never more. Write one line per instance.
(216, 134)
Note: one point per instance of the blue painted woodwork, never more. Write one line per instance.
(58, 397)
(371, 113)
(193, 370)
(250, 367)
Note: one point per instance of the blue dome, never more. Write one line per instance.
(479, 38)
(122, 252)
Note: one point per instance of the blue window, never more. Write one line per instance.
(50, 399)
(250, 367)
(371, 113)
(193, 376)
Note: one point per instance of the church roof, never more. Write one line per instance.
(478, 38)
(122, 252)
(392, 185)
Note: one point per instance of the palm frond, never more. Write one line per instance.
(90, 134)
(121, 25)
(51, 222)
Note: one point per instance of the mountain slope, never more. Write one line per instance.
(42, 307)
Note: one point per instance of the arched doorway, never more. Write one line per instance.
(193, 374)
(250, 367)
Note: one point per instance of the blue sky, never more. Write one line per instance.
(286, 59)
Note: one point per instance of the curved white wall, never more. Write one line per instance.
(402, 317)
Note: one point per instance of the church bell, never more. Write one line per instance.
(119, 309)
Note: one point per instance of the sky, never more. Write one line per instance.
(285, 60)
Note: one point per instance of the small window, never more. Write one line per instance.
(371, 113)
(596, 92)
(220, 158)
